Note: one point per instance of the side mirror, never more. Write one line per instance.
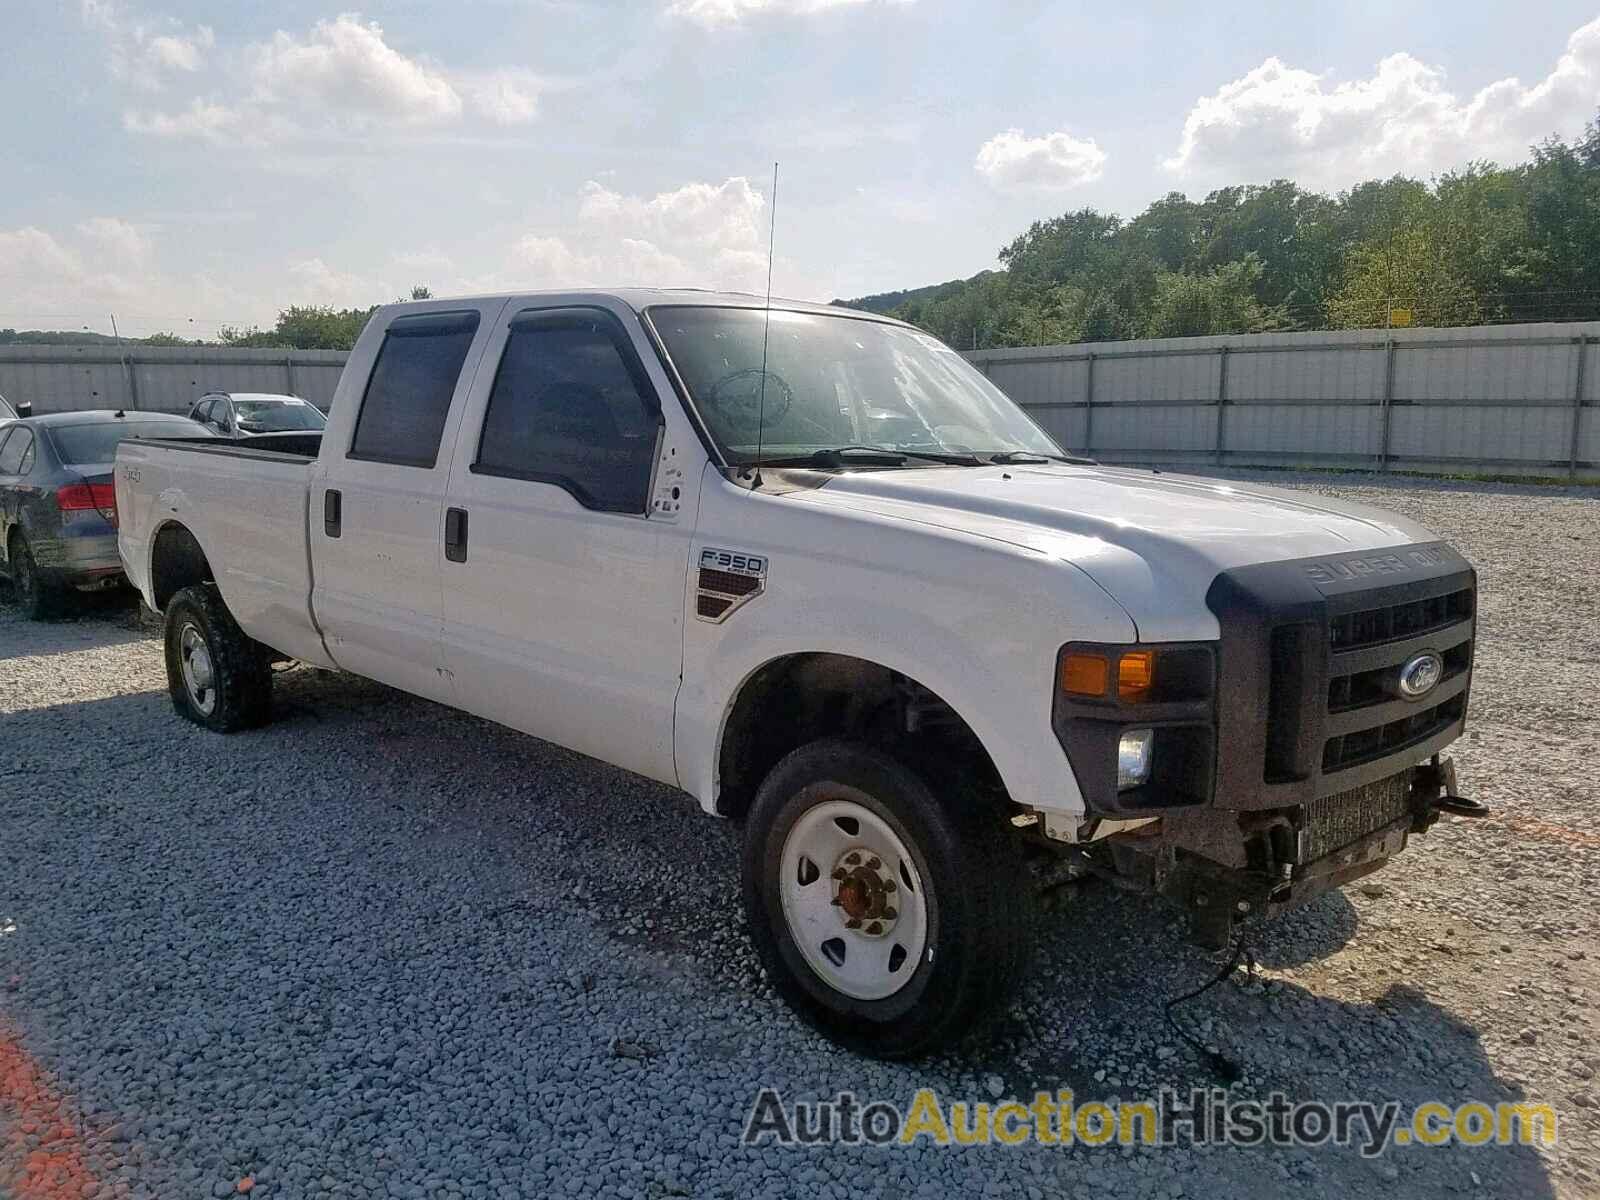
(24, 408)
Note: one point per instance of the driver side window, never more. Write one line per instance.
(571, 406)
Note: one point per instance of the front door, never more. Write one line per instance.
(563, 598)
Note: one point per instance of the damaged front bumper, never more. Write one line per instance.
(1224, 866)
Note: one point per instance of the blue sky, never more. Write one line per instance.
(186, 165)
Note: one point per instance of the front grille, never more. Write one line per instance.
(1334, 822)
(1379, 741)
(1374, 626)
(1362, 689)
(1366, 717)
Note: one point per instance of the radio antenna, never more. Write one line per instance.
(766, 329)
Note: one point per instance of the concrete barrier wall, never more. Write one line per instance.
(160, 378)
(1497, 399)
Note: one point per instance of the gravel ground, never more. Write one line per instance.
(383, 949)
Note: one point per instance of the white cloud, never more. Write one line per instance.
(504, 97)
(44, 274)
(116, 241)
(1283, 121)
(345, 66)
(424, 260)
(202, 120)
(1014, 162)
(140, 55)
(716, 216)
(720, 13)
(315, 282)
(699, 235)
(341, 78)
(32, 251)
(181, 53)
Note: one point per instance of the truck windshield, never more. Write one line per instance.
(97, 442)
(835, 382)
(277, 416)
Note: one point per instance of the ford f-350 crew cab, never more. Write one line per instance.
(811, 567)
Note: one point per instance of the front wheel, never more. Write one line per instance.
(889, 916)
(218, 676)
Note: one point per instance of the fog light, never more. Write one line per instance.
(1133, 758)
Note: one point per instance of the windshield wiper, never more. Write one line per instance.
(1029, 456)
(871, 456)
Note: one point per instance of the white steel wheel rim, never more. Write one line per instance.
(199, 676)
(862, 928)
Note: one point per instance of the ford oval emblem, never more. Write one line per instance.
(1420, 675)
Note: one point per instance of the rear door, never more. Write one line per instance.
(377, 509)
(563, 584)
(14, 442)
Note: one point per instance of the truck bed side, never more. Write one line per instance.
(246, 508)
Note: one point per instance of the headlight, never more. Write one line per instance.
(1088, 672)
(1138, 723)
(1134, 757)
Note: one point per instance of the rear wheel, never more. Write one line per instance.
(36, 598)
(218, 676)
(887, 915)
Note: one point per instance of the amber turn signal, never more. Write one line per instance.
(1136, 671)
(1085, 674)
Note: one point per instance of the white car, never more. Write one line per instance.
(251, 414)
(811, 567)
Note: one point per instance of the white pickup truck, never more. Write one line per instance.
(809, 566)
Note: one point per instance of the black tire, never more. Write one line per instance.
(37, 599)
(239, 674)
(979, 907)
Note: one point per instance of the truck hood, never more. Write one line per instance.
(1153, 541)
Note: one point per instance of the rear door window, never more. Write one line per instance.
(12, 449)
(92, 444)
(408, 396)
(572, 406)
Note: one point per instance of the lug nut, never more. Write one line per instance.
(874, 863)
(852, 923)
(889, 885)
(852, 859)
(836, 902)
(890, 914)
(838, 873)
(875, 927)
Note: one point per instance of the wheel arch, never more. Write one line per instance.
(177, 561)
(798, 697)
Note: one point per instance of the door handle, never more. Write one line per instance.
(332, 513)
(455, 534)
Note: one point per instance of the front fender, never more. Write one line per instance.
(976, 621)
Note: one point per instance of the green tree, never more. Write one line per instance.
(1220, 301)
(1563, 216)
(1104, 320)
(307, 327)
(1407, 270)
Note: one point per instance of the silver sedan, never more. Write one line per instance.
(58, 507)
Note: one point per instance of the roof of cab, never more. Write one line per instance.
(639, 299)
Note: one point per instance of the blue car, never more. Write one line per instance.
(58, 506)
